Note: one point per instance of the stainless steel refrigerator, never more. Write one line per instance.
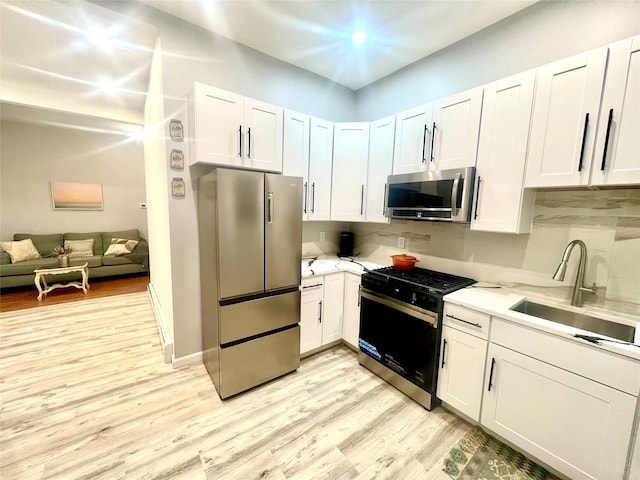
(250, 233)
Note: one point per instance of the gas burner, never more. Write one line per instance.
(434, 281)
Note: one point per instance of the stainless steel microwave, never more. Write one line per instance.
(441, 195)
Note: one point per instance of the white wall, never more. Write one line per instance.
(33, 155)
(545, 32)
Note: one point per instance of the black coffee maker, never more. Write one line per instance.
(346, 244)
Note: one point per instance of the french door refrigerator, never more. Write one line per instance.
(250, 233)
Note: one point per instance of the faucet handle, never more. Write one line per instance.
(589, 290)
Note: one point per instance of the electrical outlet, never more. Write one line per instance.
(322, 236)
(401, 242)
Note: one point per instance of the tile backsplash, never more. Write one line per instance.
(608, 221)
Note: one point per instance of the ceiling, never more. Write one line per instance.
(316, 35)
(73, 57)
(77, 57)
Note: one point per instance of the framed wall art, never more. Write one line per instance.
(76, 196)
(177, 159)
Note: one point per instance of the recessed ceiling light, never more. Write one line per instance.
(359, 37)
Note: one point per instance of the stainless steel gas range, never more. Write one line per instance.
(400, 327)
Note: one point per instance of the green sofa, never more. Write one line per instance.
(100, 265)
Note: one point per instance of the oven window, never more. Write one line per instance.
(434, 194)
(403, 343)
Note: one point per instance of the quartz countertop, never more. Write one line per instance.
(330, 264)
(498, 301)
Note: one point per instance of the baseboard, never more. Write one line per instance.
(166, 341)
(188, 360)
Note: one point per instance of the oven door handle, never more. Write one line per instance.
(425, 316)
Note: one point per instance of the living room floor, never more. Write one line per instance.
(20, 298)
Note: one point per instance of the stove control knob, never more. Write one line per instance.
(413, 298)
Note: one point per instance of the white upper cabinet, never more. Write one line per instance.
(413, 137)
(565, 117)
(295, 152)
(229, 129)
(381, 136)
(350, 156)
(455, 130)
(616, 159)
(501, 204)
(320, 162)
(263, 123)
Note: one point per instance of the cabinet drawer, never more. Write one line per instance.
(585, 360)
(466, 320)
(309, 283)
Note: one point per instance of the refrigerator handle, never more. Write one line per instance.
(270, 207)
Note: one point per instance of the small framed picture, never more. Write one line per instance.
(176, 130)
(177, 187)
(177, 159)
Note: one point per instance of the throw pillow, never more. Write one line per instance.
(79, 248)
(21, 250)
(117, 249)
(129, 244)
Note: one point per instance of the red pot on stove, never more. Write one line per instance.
(404, 262)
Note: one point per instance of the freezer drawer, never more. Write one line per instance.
(253, 317)
(251, 363)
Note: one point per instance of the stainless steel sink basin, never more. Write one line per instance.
(620, 331)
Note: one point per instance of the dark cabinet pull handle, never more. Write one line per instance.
(362, 200)
(249, 149)
(433, 139)
(320, 311)
(306, 187)
(424, 143)
(384, 199)
(584, 141)
(444, 351)
(240, 142)
(475, 212)
(606, 140)
(359, 296)
(313, 197)
(465, 321)
(493, 363)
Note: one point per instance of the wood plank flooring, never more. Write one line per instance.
(20, 298)
(86, 395)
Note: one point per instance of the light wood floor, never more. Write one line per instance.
(86, 396)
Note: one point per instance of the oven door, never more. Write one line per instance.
(401, 336)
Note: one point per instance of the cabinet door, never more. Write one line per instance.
(413, 139)
(617, 154)
(501, 204)
(310, 319)
(575, 425)
(350, 155)
(381, 135)
(332, 307)
(351, 319)
(461, 376)
(263, 136)
(565, 114)
(320, 162)
(456, 126)
(218, 116)
(295, 151)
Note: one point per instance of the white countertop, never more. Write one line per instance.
(331, 264)
(498, 301)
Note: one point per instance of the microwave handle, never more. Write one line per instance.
(454, 195)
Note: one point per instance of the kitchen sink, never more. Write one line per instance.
(599, 326)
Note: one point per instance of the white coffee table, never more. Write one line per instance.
(42, 273)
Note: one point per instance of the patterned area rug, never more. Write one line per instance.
(479, 456)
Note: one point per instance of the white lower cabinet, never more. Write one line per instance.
(351, 318)
(463, 350)
(311, 314)
(321, 306)
(580, 427)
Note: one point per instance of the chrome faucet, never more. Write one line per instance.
(578, 287)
